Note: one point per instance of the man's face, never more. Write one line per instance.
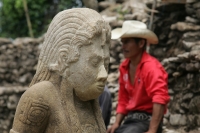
(130, 48)
(89, 74)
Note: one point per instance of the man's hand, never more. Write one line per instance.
(113, 128)
(117, 123)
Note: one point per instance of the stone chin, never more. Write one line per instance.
(89, 94)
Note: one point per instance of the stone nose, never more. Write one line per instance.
(102, 75)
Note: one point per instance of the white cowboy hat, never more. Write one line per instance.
(136, 29)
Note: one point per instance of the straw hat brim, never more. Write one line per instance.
(138, 33)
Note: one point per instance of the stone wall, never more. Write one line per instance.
(18, 61)
(9, 97)
(179, 50)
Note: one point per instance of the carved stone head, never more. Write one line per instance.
(76, 47)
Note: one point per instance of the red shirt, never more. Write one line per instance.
(150, 86)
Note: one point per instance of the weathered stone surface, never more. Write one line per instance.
(198, 13)
(104, 4)
(110, 19)
(165, 121)
(129, 17)
(194, 106)
(178, 119)
(4, 41)
(189, 45)
(191, 20)
(196, 5)
(63, 94)
(93, 4)
(197, 119)
(191, 1)
(113, 77)
(12, 101)
(188, 96)
(182, 26)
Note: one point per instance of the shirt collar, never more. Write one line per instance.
(145, 58)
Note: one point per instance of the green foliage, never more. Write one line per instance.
(13, 19)
(121, 12)
(64, 4)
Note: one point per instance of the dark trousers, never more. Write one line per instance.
(136, 126)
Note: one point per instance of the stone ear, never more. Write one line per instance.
(62, 62)
(63, 57)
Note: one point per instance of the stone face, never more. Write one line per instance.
(70, 76)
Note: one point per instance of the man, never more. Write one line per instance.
(70, 76)
(143, 92)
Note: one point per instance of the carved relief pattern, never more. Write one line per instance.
(34, 112)
(89, 128)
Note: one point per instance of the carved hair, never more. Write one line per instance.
(68, 31)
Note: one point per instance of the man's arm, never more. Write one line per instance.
(157, 88)
(158, 112)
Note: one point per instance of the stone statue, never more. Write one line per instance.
(70, 76)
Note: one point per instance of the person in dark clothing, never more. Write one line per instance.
(105, 102)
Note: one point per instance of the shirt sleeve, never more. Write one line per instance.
(122, 96)
(156, 85)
